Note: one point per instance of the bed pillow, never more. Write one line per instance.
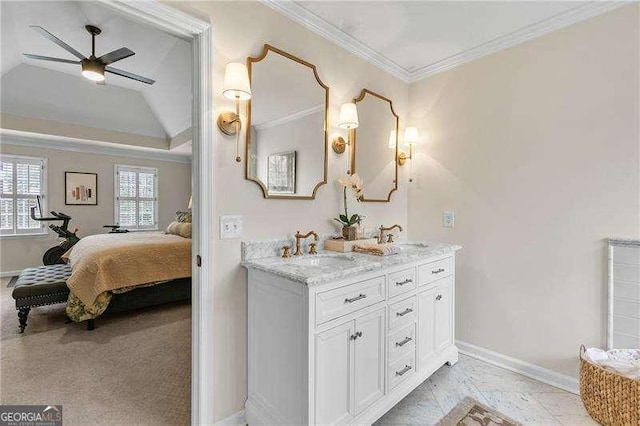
(182, 229)
(184, 217)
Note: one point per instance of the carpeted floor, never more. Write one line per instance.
(134, 368)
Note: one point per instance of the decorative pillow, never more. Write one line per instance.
(183, 217)
(182, 229)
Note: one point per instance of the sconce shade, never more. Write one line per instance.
(190, 202)
(236, 82)
(348, 116)
(411, 136)
(392, 139)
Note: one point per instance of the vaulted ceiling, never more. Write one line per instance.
(58, 92)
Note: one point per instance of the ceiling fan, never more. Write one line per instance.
(92, 68)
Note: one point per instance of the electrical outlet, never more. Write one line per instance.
(448, 219)
(230, 227)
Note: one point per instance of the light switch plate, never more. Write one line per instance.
(230, 227)
(448, 219)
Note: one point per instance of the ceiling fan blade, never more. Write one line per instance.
(129, 75)
(116, 55)
(49, 58)
(57, 41)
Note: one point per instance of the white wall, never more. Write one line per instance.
(536, 149)
(174, 189)
(240, 30)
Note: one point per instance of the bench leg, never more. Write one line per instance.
(23, 314)
(91, 324)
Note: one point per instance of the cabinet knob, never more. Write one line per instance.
(356, 335)
(438, 297)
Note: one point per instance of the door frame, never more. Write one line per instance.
(200, 34)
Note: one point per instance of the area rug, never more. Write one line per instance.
(470, 412)
(12, 281)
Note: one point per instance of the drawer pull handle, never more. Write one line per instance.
(405, 312)
(438, 297)
(355, 336)
(353, 299)
(407, 281)
(403, 371)
(437, 271)
(404, 342)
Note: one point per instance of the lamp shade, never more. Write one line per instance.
(411, 136)
(392, 139)
(348, 116)
(236, 82)
(190, 202)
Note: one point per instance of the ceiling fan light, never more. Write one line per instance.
(93, 71)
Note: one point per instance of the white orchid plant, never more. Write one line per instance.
(352, 183)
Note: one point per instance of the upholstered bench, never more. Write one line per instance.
(39, 286)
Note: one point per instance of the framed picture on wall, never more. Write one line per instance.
(81, 189)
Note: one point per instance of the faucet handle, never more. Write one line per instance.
(287, 252)
(390, 238)
(312, 248)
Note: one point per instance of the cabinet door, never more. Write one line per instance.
(443, 315)
(369, 359)
(426, 326)
(334, 375)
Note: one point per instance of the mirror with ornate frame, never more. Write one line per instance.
(375, 145)
(286, 149)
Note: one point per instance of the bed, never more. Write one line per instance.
(115, 272)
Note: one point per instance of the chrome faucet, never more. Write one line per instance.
(383, 229)
(299, 237)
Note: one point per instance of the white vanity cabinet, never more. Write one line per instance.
(347, 350)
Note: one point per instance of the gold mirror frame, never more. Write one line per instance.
(354, 144)
(265, 192)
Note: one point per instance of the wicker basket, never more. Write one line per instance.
(609, 398)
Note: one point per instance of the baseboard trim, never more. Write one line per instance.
(6, 274)
(544, 375)
(237, 419)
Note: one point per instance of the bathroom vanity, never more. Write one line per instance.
(341, 338)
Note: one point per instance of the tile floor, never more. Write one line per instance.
(523, 399)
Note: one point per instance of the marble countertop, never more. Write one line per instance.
(302, 269)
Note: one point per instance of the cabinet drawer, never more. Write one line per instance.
(434, 271)
(402, 342)
(401, 282)
(344, 300)
(402, 312)
(401, 370)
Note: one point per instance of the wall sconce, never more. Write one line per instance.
(237, 87)
(348, 120)
(411, 138)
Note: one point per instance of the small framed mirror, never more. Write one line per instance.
(375, 146)
(287, 117)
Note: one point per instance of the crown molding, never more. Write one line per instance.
(162, 15)
(291, 117)
(63, 143)
(334, 34)
(530, 32)
(329, 31)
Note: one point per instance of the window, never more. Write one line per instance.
(22, 179)
(136, 197)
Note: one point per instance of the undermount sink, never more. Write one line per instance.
(315, 260)
(410, 247)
